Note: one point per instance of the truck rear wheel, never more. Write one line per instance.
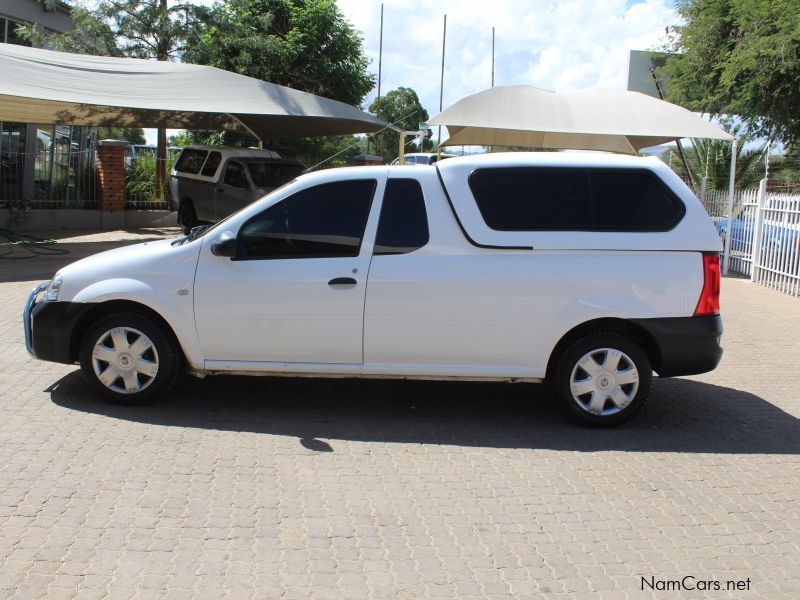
(603, 379)
(129, 359)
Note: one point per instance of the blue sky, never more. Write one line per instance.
(559, 45)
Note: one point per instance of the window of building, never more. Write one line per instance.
(320, 222)
(403, 225)
(8, 32)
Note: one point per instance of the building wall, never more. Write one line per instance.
(30, 11)
(43, 165)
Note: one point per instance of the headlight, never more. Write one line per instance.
(53, 289)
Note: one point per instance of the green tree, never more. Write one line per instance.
(306, 45)
(132, 136)
(739, 57)
(400, 107)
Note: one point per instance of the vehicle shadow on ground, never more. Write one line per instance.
(682, 415)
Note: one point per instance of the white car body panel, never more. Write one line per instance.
(156, 274)
(284, 309)
(450, 309)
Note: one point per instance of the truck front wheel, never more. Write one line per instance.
(129, 359)
(187, 218)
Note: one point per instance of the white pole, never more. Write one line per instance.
(703, 184)
(757, 233)
(731, 182)
(441, 90)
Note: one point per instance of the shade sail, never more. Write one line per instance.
(43, 86)
(615, 121)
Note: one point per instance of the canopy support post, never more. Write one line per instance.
(729, 217)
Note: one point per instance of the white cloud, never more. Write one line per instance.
(559, 45)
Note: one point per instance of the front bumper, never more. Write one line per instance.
(686, 345)
(26, 316)
(49, 326)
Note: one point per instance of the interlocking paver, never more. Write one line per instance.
(292, 488)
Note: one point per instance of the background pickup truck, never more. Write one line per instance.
(208, 183)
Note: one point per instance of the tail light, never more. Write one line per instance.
(709, 297)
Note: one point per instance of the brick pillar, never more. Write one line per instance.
(111, 176)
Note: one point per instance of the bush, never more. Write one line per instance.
(140, 179)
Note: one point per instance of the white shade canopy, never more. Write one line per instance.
(611, 120)
(43, 86)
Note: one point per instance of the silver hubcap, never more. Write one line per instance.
(125, 360)
(604, 381)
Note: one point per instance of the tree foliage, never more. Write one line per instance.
(134, 28)
(400, 107)
(132, 136)
(306, 45)
(740, 57)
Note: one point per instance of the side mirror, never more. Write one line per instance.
(224, 247)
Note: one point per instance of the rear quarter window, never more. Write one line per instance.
(191, 161)
(542, 199)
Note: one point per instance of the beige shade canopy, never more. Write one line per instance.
(43, 86)
(610, 120)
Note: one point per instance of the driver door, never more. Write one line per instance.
(233, 192)
(295, 291)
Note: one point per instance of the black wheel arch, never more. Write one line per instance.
(632, 331)
(101, 309)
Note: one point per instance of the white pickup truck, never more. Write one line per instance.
(586, 270)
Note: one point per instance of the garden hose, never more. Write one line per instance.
(34, 246)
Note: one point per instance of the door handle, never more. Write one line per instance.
(342, 281)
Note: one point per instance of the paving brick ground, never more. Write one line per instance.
(262, 488)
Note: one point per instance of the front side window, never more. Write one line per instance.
(591, 199)
(235, 175)
(272, 175)
(212, 162)
(324, 221)
(191, 161)
(403, 225)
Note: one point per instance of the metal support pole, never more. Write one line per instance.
(441, 89)
(758, 221)
(703, 184)
(380, 72)
(677, 141)
(726, 255)
(492, 56)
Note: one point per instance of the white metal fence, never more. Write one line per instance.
(763, 228)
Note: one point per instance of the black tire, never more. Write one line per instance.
(187, 218)
(163, 352)
(580, 405)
